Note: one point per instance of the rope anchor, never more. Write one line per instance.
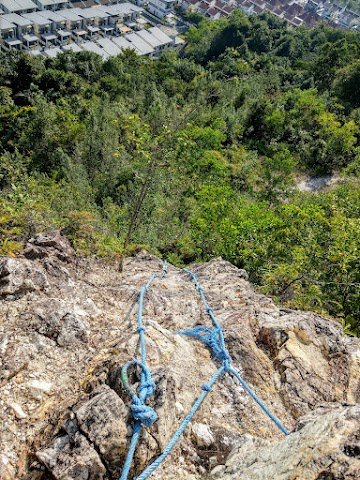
(142, 412)
(146, 415)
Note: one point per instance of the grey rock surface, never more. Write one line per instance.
(324, 445)
(65, 414)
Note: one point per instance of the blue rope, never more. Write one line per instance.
(206, 389)
(145, 415)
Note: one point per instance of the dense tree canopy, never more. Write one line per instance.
(197, 156)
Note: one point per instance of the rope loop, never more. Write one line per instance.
(213, 339)
(140, 411)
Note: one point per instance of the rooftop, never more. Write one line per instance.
(160, 35)
(109, 46)
(100, 13)
(36, 18)
(17, 19)
(69, 15)
(149, 38)
(120, 8)
(72, 46)
(46, 3)
(17, 5)
(52, 52)
(92, 47)
(123, 44)
(53, 16)
(6, 24)
(89, 12)
(143, 47)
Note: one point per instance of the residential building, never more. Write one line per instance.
(154, 42)
(121, 13)
(23, 25)
(93, 47)
(166, 41)
(41, 24)
(51, 4)
(74, 47)
(142, 47)
(160, 8)
(124, 44)
(18, 6)
(58, 25)
(109, 46)
(8, 35)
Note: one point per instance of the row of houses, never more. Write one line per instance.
(292, 12)
(117, 26)
(295, 13)
(29, 6)
(46, 26)
(337, 13)
(149, 43)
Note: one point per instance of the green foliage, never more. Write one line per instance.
(196, 157)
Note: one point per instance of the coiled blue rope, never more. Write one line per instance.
(145, 415)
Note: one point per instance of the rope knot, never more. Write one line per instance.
(226, 364)
(145, 414)
(205, 387)
(140, 329)
(213, 339)
(148, 387)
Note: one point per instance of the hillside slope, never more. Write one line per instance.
(69, 324)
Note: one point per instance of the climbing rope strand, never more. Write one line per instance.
(206, 389)
(258, 401)
(216, 341)
(143, 414)
(131, 451)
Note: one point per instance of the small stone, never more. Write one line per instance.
(39, 386)
(202, 434)
(19, 412)
(217, 470)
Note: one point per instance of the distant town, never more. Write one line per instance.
(295, 12)
(49, 27)
(107, 27)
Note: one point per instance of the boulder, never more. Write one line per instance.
(72, 459)
(325, 445)
(49, 244)
(19, 276)
(62, 322)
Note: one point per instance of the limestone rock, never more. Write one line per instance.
(49, 244)
(78, 332)
(60, 322)
(18, 276)
(104, 421)
(7, 472)
(324, 445)
(73, 459)
(203, 435)
(19, 412)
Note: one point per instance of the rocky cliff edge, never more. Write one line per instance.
(67, 325)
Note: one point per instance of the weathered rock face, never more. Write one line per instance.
(324, 445)
(65, 337)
